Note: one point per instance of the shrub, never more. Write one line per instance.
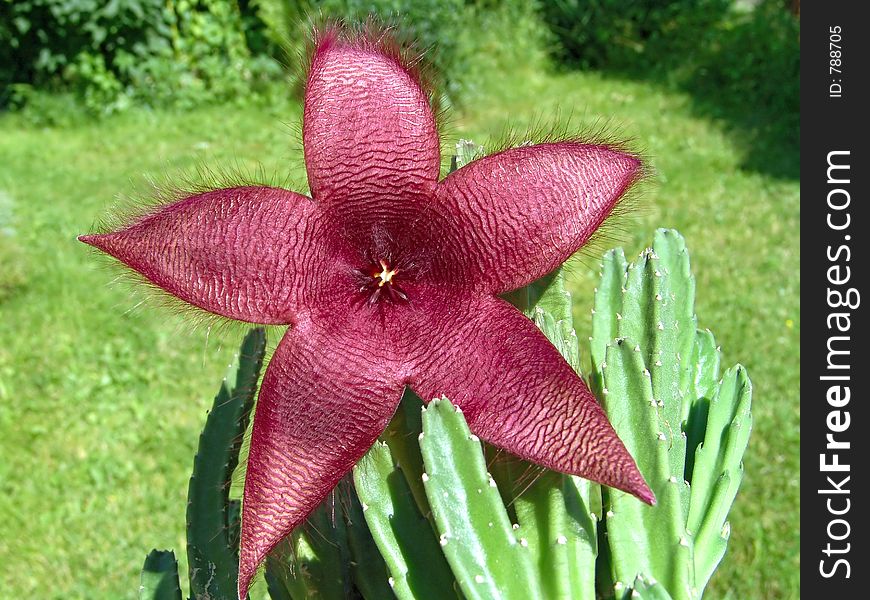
(754, 58)
(429, 512)
(111, 54)
(639, 34)
(749, 78)
(182, 53)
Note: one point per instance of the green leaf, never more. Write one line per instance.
(644, 385)
(159, 578)
(404, 536)
(485, 554)
(555, 518)
(705, 364)
(549, 306)
(658, 314)
(554, 511)
(658, 385)
(702, 387)
(212, 539)
(677, 288)
(234, 523)
(283, 578)
(276, 586)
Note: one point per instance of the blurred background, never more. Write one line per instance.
(102, 400)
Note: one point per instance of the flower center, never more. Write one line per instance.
(378, 282)
(386, 275)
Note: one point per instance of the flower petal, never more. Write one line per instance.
(522, 212)
(518, 393)
(368, 130)
(324, 400)
(238, 252)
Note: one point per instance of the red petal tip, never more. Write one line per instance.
(96, 240)
(646, 495)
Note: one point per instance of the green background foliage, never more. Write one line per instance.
(149, 52)
(101, 400)
(637, 35)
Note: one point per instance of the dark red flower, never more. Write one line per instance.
(390, 278)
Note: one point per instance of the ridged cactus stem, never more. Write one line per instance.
(476, 529)
(656, 375)
(212, 526)
(402, 534)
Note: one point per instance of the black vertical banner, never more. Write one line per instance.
(835, 427)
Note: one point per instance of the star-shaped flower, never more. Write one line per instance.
(389, 278)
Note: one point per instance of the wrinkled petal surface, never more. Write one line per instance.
(237, 252)
(522, 212)
(368, 131)
(518, 393)
(323, 402)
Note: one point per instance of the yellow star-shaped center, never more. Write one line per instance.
(386, 275)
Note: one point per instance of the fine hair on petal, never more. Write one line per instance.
(149, 196)
(518, 483)
(392, 38)
(618, 226)
(337, 503)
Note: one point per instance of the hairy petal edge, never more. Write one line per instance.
(368, 130)
(237, 252)
(520, 213)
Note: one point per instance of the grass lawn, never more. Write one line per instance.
(102, 400)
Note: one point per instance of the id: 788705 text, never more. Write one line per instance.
(835, 62)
